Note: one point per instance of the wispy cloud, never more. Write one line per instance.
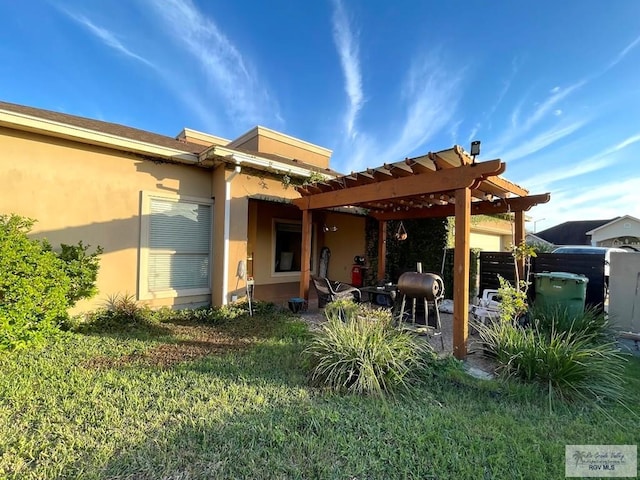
(628, 141)
(624, 52)
(430, 94)
(542, 140)
(348, 50)
(108, 38)
(622, 201)
(548, 105)
(246, 101)
(487, 116)
(595, 202)
(506, 85)
(543, 181)
(603, 159)
(521, 125)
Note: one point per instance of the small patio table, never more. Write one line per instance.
(384, 296)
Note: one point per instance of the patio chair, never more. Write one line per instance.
(328, 291)
(488, 307)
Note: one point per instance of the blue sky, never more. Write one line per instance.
(550, 87)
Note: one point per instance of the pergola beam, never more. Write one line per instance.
(440, 181)
(505, 205)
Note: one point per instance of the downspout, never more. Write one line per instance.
(227, 228)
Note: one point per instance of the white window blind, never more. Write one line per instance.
(179, 245)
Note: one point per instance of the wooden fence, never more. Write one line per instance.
(591, 266)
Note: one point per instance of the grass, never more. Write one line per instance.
(245, 410)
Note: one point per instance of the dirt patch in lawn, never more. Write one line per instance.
(187, 342)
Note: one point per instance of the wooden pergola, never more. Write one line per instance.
(442, 184)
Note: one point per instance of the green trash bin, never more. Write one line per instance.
(567, 290)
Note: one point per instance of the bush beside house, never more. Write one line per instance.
(38, 285)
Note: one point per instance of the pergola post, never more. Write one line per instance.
(305, 255)
(461, 266)
(382, 249)
(518, 238)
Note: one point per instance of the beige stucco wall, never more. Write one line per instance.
(485, 241)
(81, 192)
(345, 243)
(261, 241)
(270, 145)
(268, 141)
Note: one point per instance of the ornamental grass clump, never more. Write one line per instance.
(589, 323)
(358, 351)
(570, 365)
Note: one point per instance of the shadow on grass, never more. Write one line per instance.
(466, 435)
(327, 436)
(175, 342)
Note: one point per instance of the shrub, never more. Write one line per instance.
(364, 354)
(120, 311)
(33, 285)
(82, 269)
(568, 364)
(210, 315)
(513, 300)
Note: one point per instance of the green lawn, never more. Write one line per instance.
(187, 402)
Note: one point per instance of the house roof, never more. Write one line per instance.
(104, 127)
(615, 220)
(133, 139)
(572, 232)
(291, 161)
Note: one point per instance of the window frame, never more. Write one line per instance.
(293, 275)
(144, 249)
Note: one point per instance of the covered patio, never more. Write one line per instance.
(442, 184)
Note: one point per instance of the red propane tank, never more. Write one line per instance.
(356, 275)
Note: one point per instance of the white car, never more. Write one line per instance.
(605, 252)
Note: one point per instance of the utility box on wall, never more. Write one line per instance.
(624, 292)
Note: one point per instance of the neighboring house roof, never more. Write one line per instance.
(533, 238)
(571, 233)
(104, 127)
(615, 220)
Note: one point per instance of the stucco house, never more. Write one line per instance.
(179, 218)
(163, 208)
(619, 232)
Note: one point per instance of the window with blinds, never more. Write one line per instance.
(178, 245)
